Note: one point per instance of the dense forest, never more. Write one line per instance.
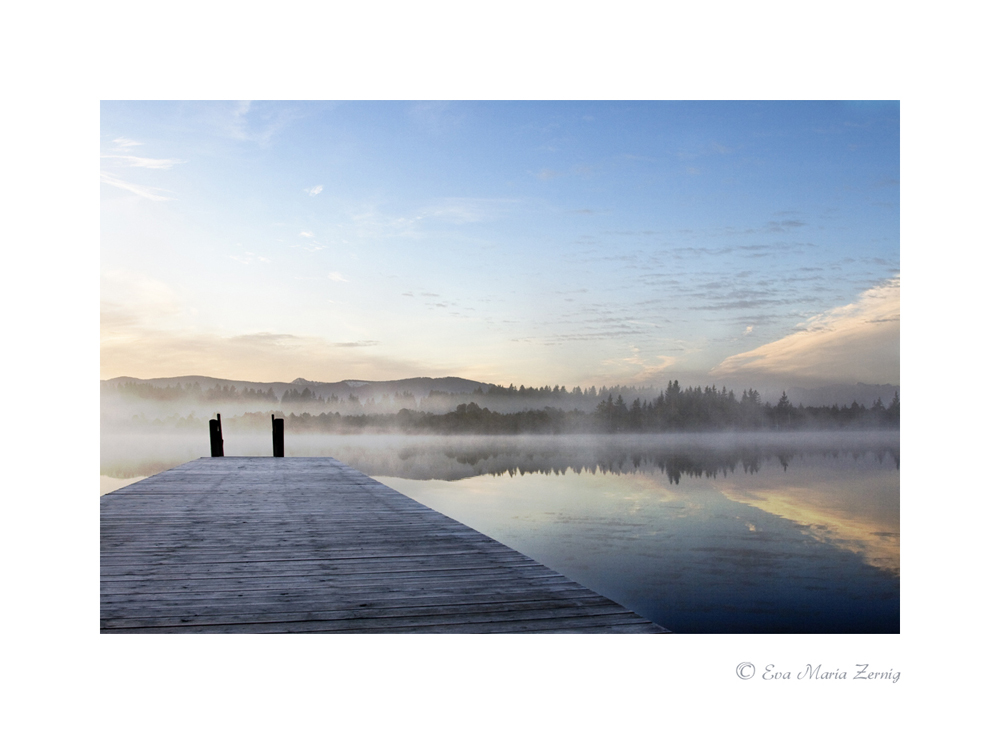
(693, 409)
(673, 409)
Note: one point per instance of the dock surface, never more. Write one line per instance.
(256, 544)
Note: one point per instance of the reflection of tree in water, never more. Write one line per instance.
(674, 462)
(892, 452)
(451, 458)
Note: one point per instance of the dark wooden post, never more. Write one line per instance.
(215, 434)
(278, 435)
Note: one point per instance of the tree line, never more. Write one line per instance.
(673, 409)
(696, 409)
(693, 409)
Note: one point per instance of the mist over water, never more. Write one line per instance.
(732, 532)
(125, 455)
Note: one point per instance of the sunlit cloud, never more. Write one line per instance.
(305, 234)
(125, 143)
(858, 342)
(638, 369)
(337, 277)
(129, 298)
(314, 190)
(143, 351)
(146, 192)
(656, 370)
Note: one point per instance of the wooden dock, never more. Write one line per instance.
(311, 545)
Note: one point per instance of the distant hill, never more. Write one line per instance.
(419, 387)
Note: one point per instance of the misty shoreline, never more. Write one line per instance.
(425, 456)
(610, 417)
(483, 409)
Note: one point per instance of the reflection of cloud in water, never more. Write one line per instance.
(853, 517)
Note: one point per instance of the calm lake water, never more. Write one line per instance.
(699, 533)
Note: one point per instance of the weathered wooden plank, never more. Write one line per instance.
(349, 594)
(305, 603)
(242, 544)
(417, 580)
(332, 569)
(401, 579)
(547, 619)
(308, 600)
(436, 612)
(280, 555)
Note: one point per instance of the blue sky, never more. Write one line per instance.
(534, 242)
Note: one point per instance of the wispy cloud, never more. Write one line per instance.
(783, 226)
(581, 170)
(137, 162)
(314, 190)
(337, 278)
(146, 192)
(248, 257)
(311, 246)
(464, 210)
(256, 121)
(124, 159)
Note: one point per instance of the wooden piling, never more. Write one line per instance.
(278, 435)
(215, 435)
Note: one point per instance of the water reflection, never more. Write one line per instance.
(455, 457)
(856, 511)
(703, 533)
(795, 550)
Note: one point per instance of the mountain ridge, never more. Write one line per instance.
(362, 389)
(422, 387)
